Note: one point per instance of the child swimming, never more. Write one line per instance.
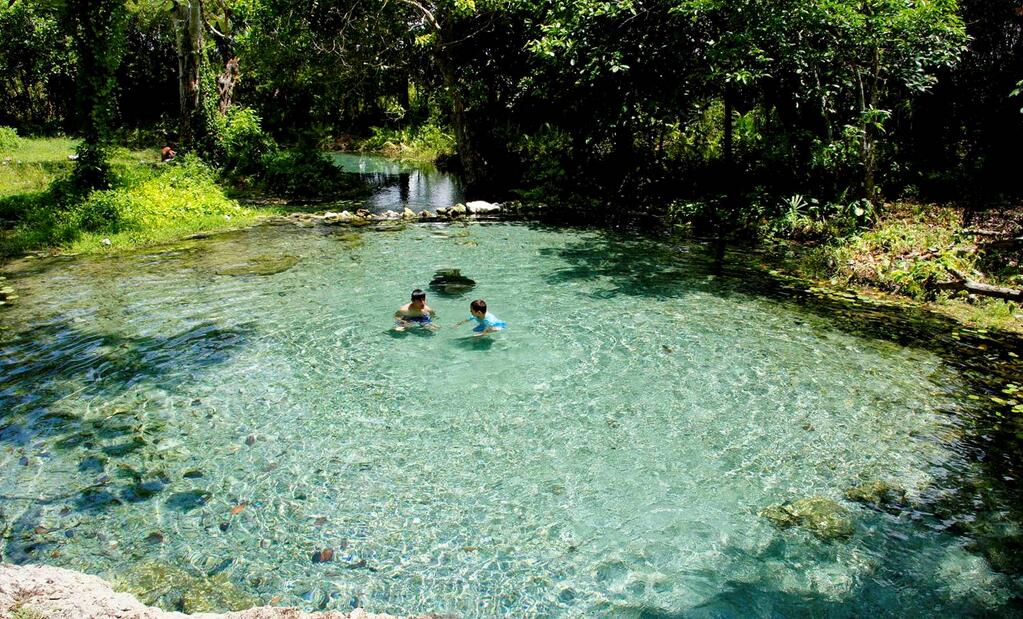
(415, 314)
(485, 321)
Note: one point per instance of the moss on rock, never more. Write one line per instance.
(823, 517)
(172, 587)
(878, 493)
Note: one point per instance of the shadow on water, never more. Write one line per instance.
(985, 502)
(117, 444)
(475, 343)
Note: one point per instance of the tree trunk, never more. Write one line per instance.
(225, 84)
(728, 155)
(189, 38)
(473, 166)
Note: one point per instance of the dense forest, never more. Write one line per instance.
(719, 112)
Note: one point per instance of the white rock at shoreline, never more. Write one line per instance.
(479, 206)
(56, 593)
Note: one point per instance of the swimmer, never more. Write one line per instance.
(485, 321)
(415, 314)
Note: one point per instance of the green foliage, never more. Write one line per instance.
(246, 144)
(547, 154)
(306, 172)
(426, 142)
(98, 32)
(147, 205)
(37, 66)
(9, 139)
(906, 249)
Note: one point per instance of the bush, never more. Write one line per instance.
(185, 190)
(142, 207)
(426, 142)
(9, 139)
(308, 173)
(246, 144)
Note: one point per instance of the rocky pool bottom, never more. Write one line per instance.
(229, 421)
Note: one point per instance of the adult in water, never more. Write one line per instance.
(415, 313)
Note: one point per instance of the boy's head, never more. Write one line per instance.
(418, 297)
(479, 306)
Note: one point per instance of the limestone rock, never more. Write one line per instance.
(457, 210)
(451, 282)
(877, 493)
(425, 214)
(56, 593)
(821, 516)
(477, 207)
(408, 213)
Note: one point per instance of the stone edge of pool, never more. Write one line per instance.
(38, 591)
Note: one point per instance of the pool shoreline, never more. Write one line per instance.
(56, 593)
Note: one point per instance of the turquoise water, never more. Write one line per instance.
(607, 455)
(400, 184)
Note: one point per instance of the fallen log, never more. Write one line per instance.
(1009, 294)
(965, 283)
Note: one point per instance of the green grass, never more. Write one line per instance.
(149, 204)
(33, 163)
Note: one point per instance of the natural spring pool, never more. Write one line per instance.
(608, 455)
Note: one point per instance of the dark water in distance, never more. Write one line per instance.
(401, 184)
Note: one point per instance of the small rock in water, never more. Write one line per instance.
(154, 538)
(250, 440)
(23, 461)
(193, 474)
(451, 282)
(323, 556)
(196, 402)
(322, 520)
(223, 526)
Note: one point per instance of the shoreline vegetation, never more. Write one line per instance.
(898, 256)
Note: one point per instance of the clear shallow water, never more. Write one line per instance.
(400, 184)
(607, 455)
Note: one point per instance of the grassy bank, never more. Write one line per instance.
(150, 202)
(910, 246)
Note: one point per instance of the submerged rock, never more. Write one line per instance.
(451, 282)
(823, 517)
(262, 265)
(174, 588)
(877, 493)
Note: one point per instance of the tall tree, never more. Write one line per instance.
(98, 32)
(887, 49)
(189, 32)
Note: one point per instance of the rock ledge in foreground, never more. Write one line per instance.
(56, 593)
